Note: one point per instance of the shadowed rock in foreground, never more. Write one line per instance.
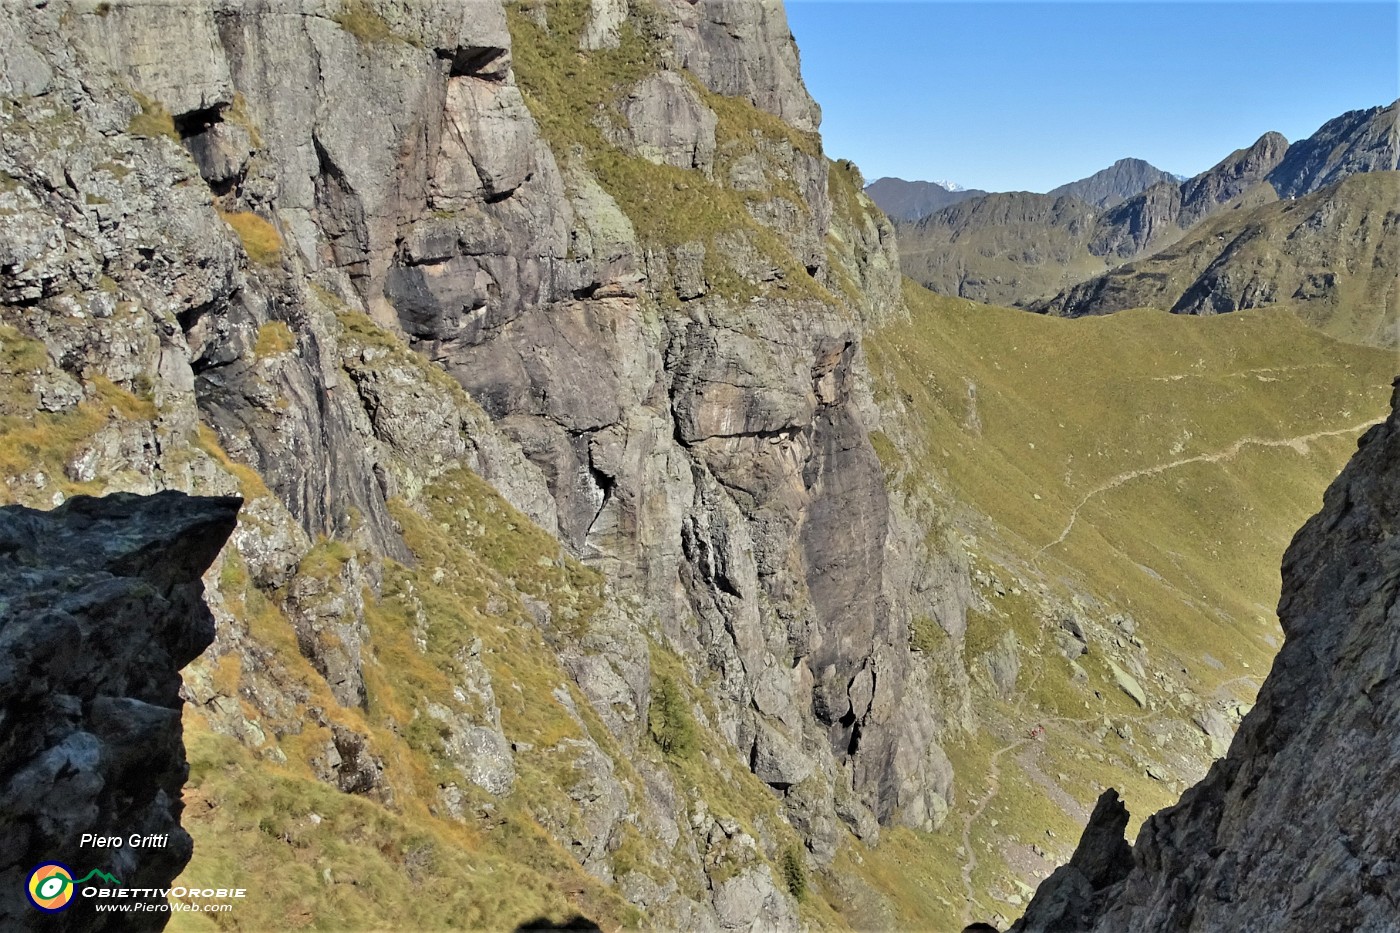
(101, 604)
(1294, 829)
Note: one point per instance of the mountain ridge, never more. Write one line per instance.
(1332, 249)
(1365, 140)
(910, 200)
(1025, 262)
(1115, 184)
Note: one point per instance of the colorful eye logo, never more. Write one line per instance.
(50, 887)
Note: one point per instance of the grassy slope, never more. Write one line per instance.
(1169, 441)
(309, 856)
(1010, 247)
(314, 858)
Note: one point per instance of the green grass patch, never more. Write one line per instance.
(669, 721)
(312, 858)
(153, 120)
(926, 635)
(326, 559)
(259, 237)
(250, 483)
(363, 21)
(793, 873)
(1047, 451)
(34, 441)
(239, 116)
(571, 91)
(359, 330)
(910, 882)
(274, 339)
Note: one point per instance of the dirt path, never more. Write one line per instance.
(970, 859)
(1229, 453)
(1029, 763)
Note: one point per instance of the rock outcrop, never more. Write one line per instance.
(378, 264)
(1357, 141)
(101, 605)
(1292, 830)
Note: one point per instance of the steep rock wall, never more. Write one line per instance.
(225, 224)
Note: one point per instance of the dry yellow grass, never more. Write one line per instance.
(259, 237)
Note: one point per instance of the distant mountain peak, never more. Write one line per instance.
(1113, 185)
(911, 200)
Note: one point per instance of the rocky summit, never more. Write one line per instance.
(1132, 212)
(100, 607)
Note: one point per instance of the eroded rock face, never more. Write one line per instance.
(744, 50)
(101, 604)
(704, 445)
(1294, 828)
(1356, 141)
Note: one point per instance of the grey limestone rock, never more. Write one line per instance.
(751, 901)
(717, 42)
(668, 124)
(604, 28)
(1003, 664)
(1217, 728)
(1128, 684)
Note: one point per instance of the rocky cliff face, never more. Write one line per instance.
(100, 607)
(343, 257)
(1107, 187)
(1291, 830)
(1331, 255)
(1357, 141)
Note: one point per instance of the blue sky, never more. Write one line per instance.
(1027, 96)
